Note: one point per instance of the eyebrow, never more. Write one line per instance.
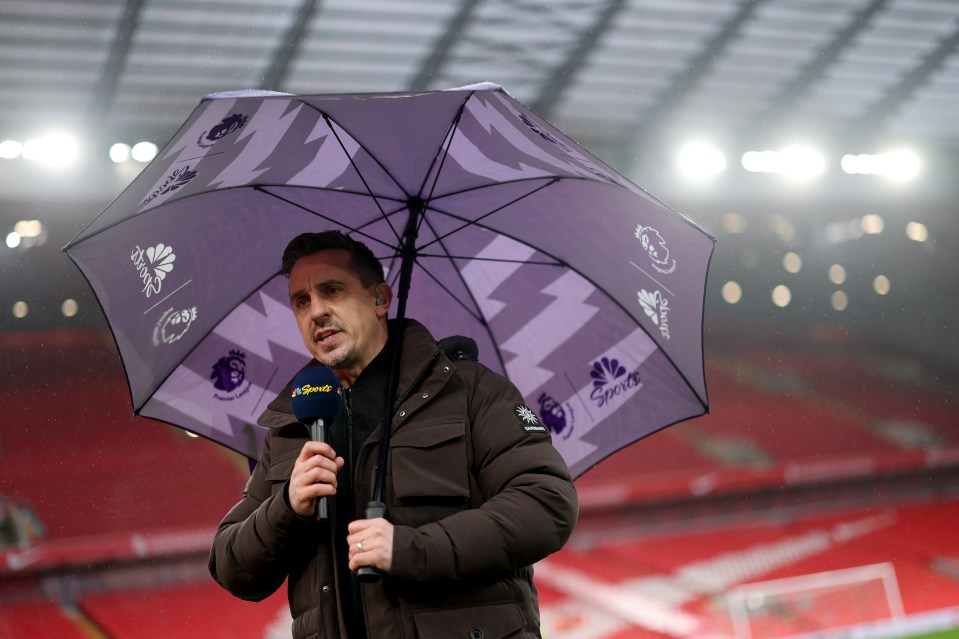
(302, 291)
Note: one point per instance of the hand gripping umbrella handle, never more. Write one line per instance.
(370, 574)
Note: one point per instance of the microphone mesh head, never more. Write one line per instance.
(316, 394)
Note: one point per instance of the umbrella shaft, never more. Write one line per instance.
(407, 259)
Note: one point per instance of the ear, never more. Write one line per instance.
(383, 296)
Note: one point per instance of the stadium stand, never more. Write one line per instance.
(810, 462)
(690, 572)
(194, 611)
(69, 431)
(37, 620)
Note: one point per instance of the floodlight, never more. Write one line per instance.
(143, 151)
(10, 149)
(54, 149)
(120, 152)
(701, 161)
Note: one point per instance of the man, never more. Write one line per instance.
(474, 495)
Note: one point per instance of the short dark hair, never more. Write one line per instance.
(366, 265)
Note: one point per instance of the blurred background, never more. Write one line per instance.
(818, 140)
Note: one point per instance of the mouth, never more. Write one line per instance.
(325, 335)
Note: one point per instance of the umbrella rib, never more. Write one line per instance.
(375, 199)
(490, 259)
(326, 116)
(445, 288)
(351, 229)
(501, 183)
(558, 178)
(443, 151)
(480, 317)
(475, 222)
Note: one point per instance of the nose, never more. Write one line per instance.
(318, 309)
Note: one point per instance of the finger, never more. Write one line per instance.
(322, 476)
(353, 539)
(378, 558)
(312, 449)
(359, 525)
(361, 558)
(316, 464)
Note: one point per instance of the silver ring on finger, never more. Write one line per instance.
(359, 546)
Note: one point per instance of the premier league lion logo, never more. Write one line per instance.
(229, 372)
(226, 126)
(553, 415)
(655, 246)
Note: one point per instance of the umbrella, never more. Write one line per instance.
(579, 286)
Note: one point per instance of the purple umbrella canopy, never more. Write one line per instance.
(575, 283)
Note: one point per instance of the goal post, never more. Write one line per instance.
(815, 602)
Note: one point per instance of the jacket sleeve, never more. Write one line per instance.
(253, 547)
(530, 506)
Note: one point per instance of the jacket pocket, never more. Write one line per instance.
(490, 621)
(429, 462)
(279, 472)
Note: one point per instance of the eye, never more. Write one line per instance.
(334, 290)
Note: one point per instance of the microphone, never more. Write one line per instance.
(316, 402)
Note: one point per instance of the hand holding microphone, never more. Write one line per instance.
(316, 402)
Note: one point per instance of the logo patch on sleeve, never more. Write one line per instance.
(528, 419)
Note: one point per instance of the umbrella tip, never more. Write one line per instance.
(243, 93)
(480, 86)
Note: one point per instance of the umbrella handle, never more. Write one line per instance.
(369, 574)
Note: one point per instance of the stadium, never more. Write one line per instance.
(818, 143)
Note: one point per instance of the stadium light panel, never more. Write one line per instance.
(732, 292)
(54, 150)
(917, 231)
(11, 149)
(792, 262)
(837, 274)
(143, 151)
(872, 224)
(899, 165)
(839, 300)
(782, 296)
(800, 163)
(700, 161)
(881, 284)
(120, 152)
(69, 307)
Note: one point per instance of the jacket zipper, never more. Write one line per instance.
(319, 581)
(333, 594)
(349, 438)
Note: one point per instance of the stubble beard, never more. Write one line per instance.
(337, 360)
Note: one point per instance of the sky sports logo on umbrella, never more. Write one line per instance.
(153, 265)
(656, 308)
(179, 177)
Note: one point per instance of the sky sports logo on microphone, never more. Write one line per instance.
(310, 389)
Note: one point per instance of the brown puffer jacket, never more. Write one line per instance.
(474, 486)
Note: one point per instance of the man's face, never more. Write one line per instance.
(339, 319)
